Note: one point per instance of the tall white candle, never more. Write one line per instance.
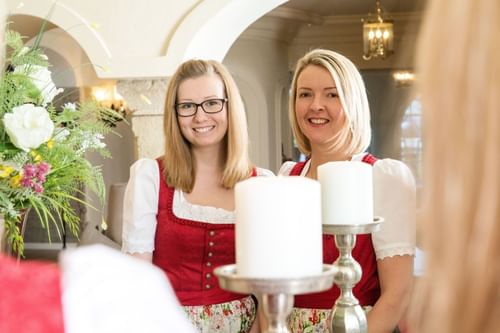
(278, 227)
(346, 192)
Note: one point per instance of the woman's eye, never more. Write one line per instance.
(332, 95)
(186, 105)
(304, 94)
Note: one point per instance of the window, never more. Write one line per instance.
(411, 139)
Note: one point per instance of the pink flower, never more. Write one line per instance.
(26, 182)
(314, 318)
(207, 309)
(29, 170)
(37, 188)
(43, 168)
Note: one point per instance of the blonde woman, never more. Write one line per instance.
(460, 86)
(179, 210)
(330, 118)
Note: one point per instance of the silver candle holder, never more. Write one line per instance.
(347, 315)
(276, 293)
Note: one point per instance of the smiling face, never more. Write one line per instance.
(317, 106)
(203, 129)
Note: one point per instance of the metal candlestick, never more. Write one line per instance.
(277, 294)
(347, 315)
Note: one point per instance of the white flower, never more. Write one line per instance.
(70, 106)
(28, 126)
(60, 134)
(24, 51)
(41, 78)
(92, 141)
(97, 141)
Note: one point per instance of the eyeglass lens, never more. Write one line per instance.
(209, 106)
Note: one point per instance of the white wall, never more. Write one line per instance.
(116, 169)
(69, 64)
(149, 38)
(114, 34)
(261, 72)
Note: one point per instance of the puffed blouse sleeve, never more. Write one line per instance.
(395, 201)
(261, 172)
(140, 206)
(286, 168)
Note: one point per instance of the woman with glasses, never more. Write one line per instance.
(179, 209)
(330, 117)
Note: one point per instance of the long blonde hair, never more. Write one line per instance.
(459, 67)
(179, 168)
(355, 135)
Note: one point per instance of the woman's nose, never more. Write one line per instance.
(200, 114)
(317, 104)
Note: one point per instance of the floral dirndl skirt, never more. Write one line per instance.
(303, 320)
(231, 317)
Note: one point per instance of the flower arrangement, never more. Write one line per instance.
(42, 149)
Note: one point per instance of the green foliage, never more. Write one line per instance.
(48, 178)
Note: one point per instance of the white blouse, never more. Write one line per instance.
(394, 197)
(140, 207)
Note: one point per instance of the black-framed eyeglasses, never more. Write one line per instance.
(188, 109)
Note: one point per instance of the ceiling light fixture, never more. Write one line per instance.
(378, 36)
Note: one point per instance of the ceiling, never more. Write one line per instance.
(29, 26)
(354, 7)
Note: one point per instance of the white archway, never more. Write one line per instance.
(212, 27)
(76, 63)
(72, 23)
(206, 31)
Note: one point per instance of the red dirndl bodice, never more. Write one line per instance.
(367, 291)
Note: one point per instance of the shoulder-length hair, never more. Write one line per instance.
(179, 168)
(355, 134)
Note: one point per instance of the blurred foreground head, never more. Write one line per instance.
(459, 76)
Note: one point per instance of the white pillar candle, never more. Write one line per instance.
(278, 227)
(346, 192)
